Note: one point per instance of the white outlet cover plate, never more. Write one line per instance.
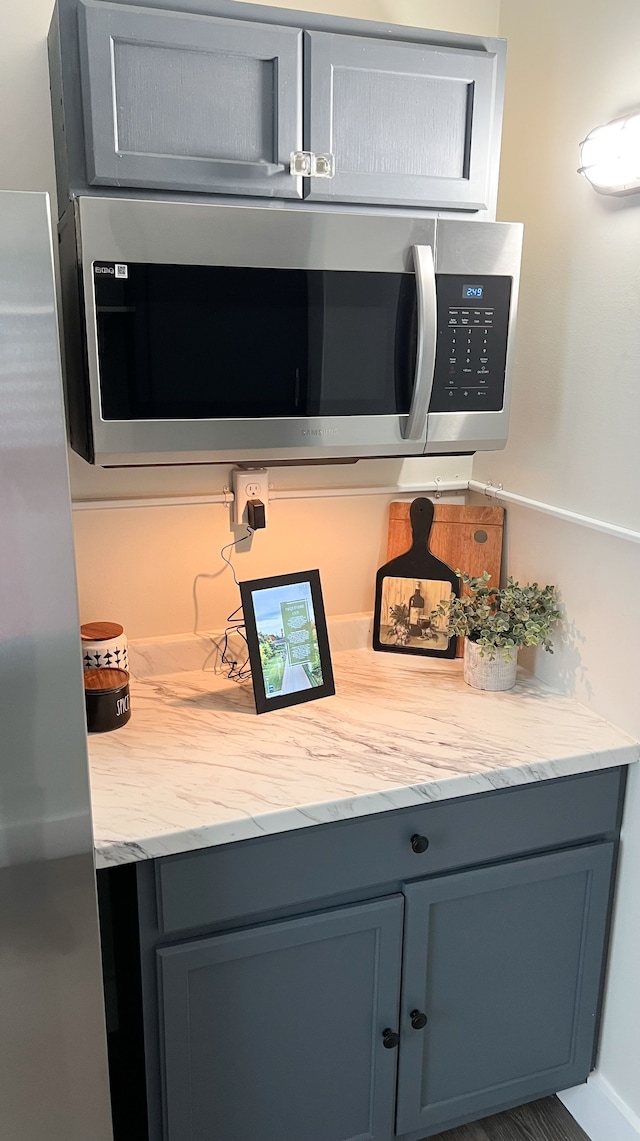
(250, 484)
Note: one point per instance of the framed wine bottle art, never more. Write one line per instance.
(409, 590)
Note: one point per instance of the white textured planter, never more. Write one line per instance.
(482, 673)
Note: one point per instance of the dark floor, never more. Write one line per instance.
(545, 1120)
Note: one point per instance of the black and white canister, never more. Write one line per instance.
(104, 646)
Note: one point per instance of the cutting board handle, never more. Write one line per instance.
(421, 516)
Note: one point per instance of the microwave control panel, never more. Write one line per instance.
(471, 350)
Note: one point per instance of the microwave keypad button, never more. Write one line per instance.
(474, 352)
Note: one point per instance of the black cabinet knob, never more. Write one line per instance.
(390, 1039)
(419, 844)
(418, 1019)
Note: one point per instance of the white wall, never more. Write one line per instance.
(576, 408)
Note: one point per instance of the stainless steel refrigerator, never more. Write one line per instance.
(53, 1066)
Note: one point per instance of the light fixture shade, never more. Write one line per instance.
(610, 156)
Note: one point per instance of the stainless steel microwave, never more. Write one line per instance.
(210, 333)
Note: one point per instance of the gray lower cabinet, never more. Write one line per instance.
(473, 932)
(278, 1031)
(406, 123)
(275, 1033)
(188, 102)
(505, 962)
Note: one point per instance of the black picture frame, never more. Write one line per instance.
(266, 701)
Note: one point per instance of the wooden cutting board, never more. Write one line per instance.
(466, 538)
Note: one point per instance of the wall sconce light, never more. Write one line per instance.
(610, 156)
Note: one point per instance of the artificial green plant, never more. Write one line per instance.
(502, 619)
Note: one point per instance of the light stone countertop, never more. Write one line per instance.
(196, 766)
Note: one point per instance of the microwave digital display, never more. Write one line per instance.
(472, 292)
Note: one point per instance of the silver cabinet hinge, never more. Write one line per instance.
(311, 165)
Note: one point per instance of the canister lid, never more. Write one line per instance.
(100, 631)
(105, 680)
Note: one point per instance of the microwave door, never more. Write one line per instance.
(259, 363)
(415, 427)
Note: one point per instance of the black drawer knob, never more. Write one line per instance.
(390, 1039)
(418, 1019)
(419, 844)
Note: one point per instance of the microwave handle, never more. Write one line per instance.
(414, 427)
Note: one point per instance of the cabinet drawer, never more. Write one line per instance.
(282, 871)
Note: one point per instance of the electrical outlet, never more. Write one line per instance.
(249, 483)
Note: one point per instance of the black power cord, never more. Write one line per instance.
(221, 650)
(238, 671)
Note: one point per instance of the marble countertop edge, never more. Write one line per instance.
(112, 852)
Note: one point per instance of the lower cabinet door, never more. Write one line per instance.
(505, 963)
(275, 1033)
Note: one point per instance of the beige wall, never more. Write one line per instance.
(26, 163)
(139, 566)
(26, 146)
(475, 17)
(576, 408)
(145, 566)
(158, 562)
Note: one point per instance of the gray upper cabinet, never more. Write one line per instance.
(277, 1031)
(406, 123)
(217, 100)
(187, 102)
(506, 963)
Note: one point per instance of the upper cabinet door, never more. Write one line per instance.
(184, 102)
(407, 124)
(502, 969)
(277, 1031)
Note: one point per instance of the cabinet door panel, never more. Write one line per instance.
(506, 963)
(188, 102)
(276, 1031)
(407, 123)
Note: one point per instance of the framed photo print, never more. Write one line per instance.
(287, 637)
